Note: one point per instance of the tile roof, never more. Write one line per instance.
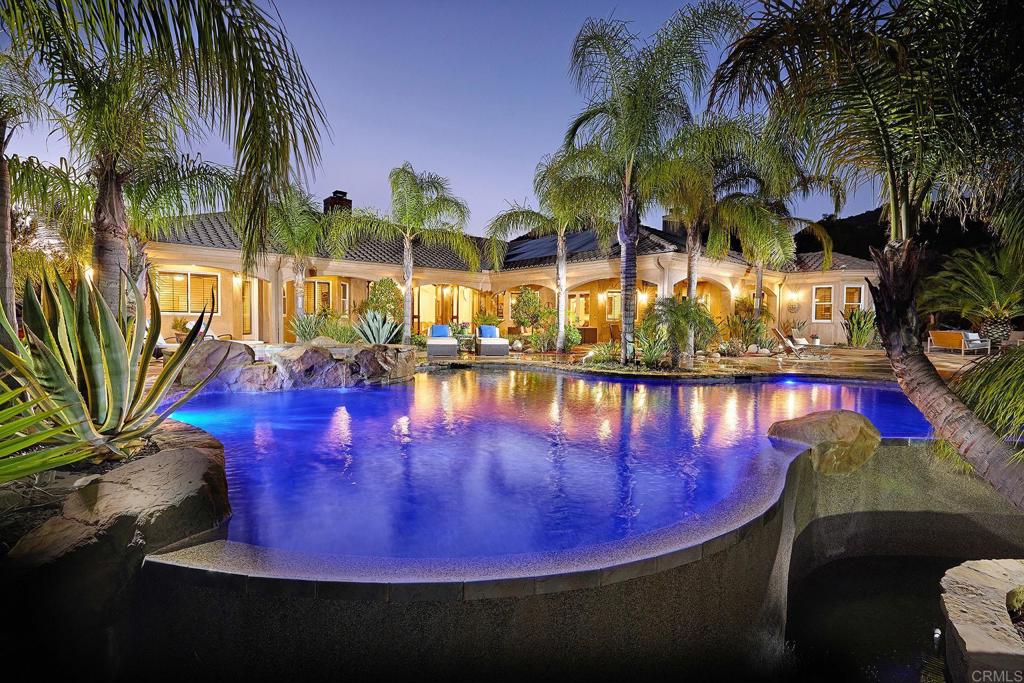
(813, 260)
(216, 231)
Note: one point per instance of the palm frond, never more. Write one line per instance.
(235, 61)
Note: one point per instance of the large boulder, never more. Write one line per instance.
(258, 377)
(205, 357)
(381, 364)
(841, 440)
(79, 563)
(981, 638)
(310, 366)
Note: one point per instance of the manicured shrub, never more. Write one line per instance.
(484, 318)
(384, 296)
(527, 311)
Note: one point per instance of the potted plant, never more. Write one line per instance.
(815, 340)
(180, 327)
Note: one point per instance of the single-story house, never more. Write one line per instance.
(203, 256)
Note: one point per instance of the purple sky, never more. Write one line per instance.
(476, 91)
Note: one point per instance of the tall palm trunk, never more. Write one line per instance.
(758, 288)
(563, 293)
(300, 289)
(110, 235)
(629, 235)
(900, 330)
(693, 247)
(407, 276)
(6, 239)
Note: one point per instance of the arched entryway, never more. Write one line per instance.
(446, 304)
(596, 307)
(716, 296)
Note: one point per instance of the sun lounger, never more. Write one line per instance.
(440, 343)
(489, 342)
(802, 351)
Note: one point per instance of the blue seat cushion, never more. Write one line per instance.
(439, 331)
(488, 332)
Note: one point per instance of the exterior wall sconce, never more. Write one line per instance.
(793, 307)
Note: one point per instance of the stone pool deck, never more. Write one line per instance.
(845, 363)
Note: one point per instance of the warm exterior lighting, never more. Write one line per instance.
(177, 278)
(601, 296)
(237, 279)
(642, 296)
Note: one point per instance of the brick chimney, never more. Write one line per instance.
(338, 200)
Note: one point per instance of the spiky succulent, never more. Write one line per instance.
(86, 368)
(376, 328)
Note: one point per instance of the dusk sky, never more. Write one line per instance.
(476, 91)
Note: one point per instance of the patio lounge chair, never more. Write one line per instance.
(440, 343)
(803, 351)
(489, 342)
(955, 340)
(1015, 339)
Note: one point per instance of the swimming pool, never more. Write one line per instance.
(496, 465)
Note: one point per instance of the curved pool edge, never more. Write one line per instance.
(644, 376)
(715, 617)
(257, 570)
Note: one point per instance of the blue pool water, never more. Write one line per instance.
(469, 464)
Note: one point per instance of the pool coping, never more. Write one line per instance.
(588, 372)
(211, 560)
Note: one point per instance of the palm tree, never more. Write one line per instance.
(637, 95)
(925, 97)
(221, 65)
(702, 181)
(423, 210)
(725, 177)
(21, 102)
(683, 319)
(123, 121)
(302, 231)
(571, 200)
(156, 195)
(985, 288)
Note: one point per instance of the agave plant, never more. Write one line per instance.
(23, 426)
(85, 367)
(376, 328)
(306, 327)
(603, 352)
(860, 327)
